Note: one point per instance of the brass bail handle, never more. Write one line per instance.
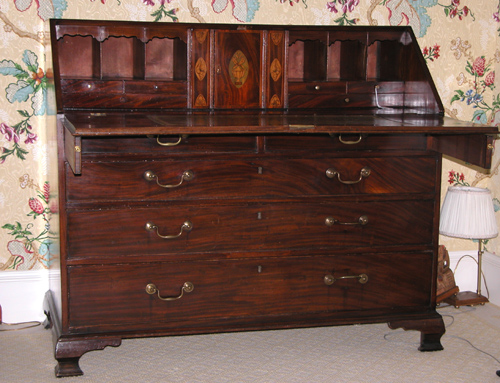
(186, 287)
(175, 143)
(187, 175)
(186, 226)
(330, 279)
(332, 173)
(362, 221)
(349, 142)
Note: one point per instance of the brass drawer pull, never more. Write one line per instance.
(186, 287)
(362, 221)
(330, 279)
(365, 172)
(169, 143)
(186, 226)
(301, 126)
(187, 175)
(350, 142)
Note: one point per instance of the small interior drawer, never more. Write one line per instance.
(345, 142)
(158, 146)
(317, 87)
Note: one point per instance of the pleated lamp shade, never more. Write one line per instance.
(468, 212)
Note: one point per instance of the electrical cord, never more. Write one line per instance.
(474, 347)
(452, 317)
(466, 340)
(482, 274)
(376, 97)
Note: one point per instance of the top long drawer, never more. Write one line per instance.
(250, 178)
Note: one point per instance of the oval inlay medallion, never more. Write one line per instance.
(200, 68)
(275, 70)
(238, 69)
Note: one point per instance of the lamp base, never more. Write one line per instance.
(466, 298)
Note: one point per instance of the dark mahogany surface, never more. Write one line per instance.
(89, 124)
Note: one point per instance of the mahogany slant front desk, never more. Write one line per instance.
(246, 177)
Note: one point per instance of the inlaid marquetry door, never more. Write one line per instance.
(238, 69)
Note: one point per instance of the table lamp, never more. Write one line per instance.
(468, 213)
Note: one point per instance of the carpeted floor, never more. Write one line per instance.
(355, 354)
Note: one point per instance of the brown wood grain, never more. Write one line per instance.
(105, 297)
(247, 227)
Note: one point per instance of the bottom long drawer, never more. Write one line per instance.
(108, 297)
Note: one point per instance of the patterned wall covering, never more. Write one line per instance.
(460, 40)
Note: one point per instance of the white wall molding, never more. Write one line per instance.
(22, 294)
(466, 273)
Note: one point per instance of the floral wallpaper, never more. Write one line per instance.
(460, 40)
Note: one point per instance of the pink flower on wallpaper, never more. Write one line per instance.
(489, 80)
(455, 178)
(36, 205)
(331, 6)
(151, 2)
(31, 138)
(291, 2)
(453, 10)
(2, 154)
(347, 5)
(478, 66)
(46, 191)
(431, 53)
(10, 133)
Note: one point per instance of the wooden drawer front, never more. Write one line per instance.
(317, 88)
(238, 228)
(352, 100)
(345, 142)
(115, 295)
(252, 178)
(166, 145)
(119, 94)
(318, 101)
(346, 94)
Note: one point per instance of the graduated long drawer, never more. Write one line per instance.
(249, 178)
(244, 227)
(104, 296)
